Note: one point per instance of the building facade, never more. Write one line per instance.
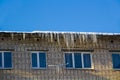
(59, 56)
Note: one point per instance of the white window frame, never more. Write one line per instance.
(112, 60)
(38, 65)
(73, 60)
(2, 52)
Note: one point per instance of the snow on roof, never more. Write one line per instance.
(58, 32)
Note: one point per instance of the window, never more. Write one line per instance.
(5, 60)
(116, 61)
(78, 60)
(38, 60)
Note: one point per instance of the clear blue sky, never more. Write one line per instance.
(60, 15)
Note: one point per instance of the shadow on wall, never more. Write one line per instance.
(24, 75)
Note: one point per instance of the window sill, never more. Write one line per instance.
(116, 69)
(39, 68)
(79, 68)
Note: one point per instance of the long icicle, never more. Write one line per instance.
(66, 39)
(72, 39)
(83, 38)
(51, 37)
(79, 36)
(24, 36)
(58, 39)
(94, 38)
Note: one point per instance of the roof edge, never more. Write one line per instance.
(58, 32)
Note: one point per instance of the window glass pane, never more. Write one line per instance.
(87, 60)
(116, 60)
(78, 61)
(68, 60)
(0, 59)
(34, 60)
(42, 60)
(7, 59)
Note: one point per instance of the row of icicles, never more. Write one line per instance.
(69, 38)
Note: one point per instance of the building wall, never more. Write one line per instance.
(21, 58)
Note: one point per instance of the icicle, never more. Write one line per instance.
(39, 35)
(66, 39)
(58, 39)
(75, 36)
(55, 35)
(42, 35)
(46, 36)
(12, 36)
(86, 37)
(24, 36)
(94, 38)
(83, 38)
(79, 36)
(72, 39)
(51, 37)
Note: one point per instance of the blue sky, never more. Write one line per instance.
(60, 15)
